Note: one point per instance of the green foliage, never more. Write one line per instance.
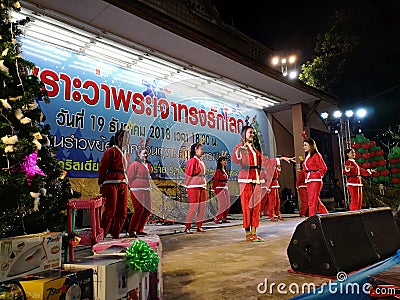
(22, 132)
(331, 53)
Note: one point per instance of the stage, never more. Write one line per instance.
(221, 264)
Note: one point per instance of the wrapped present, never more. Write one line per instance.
(29, 254)
(59, 284)
(113, 279)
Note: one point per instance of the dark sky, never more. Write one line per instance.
(292, 28)
(283, 27)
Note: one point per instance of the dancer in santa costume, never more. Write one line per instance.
(195, 183)
(113, 181)
(220, 187)
(250, 161)
(301, 187)
(274, 201)
(354, 184)
(315, 169)
(139, 179)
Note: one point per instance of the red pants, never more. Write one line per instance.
(115, 207)
(303, 197)
(355, 196)
(314, 203)
(264, 202)
(141, 201)
(224, 200)
(274, 203)
(250, 198)
(197, 198)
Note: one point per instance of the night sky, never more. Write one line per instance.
(292, 29)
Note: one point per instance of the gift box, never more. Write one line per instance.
(59, 284)
(152, 281)
(113, 279)
(29, 254)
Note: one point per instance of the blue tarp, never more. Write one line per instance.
(354, 286)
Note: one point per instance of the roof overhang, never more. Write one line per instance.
(113, 20)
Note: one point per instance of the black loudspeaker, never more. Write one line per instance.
(343, 241)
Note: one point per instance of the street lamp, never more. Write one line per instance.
(287, 65)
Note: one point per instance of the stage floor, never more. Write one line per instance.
(221, 264)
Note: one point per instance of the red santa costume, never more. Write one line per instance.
(250, 182)
(139, 185)
(264, 192)
(220, 187)
(315, 169)
(302, 191)
(354, 172)
(274, 201)
(196, 185)
(113, 187)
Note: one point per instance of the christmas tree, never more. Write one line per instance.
(33, 190)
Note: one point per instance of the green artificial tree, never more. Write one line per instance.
(33, 188)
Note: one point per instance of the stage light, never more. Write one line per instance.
(337, 114)
(293, 74)
(361, 113)
(324, 115)
(275, 60)
(349, 113)
(292, 59)
(283, 61)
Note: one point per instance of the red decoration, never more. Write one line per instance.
(304, 135)
(382, 162)
(396, 180)
(365, 146)
(385, 172)
(379, 152)
(365, 155)
(366, 165)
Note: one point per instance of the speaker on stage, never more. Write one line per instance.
(343, 241)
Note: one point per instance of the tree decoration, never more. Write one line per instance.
(141, 257)
(33, 194)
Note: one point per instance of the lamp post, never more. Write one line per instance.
(342, 125)
(287, 65)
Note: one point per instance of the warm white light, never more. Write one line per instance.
(337, 114)
(324, 115)
(349, 113)
(361, 113)
(293, 74)
(284, 73)
(292, 59)
(275, 60)
(283, 61)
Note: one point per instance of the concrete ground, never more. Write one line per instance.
(221, 264)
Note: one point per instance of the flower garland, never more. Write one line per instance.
(140, 256)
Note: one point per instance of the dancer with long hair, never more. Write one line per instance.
(354, 183)
(139, 179)
(195, 183)
(220, 187)
(113, 181)
(315, 169)
(251, 161)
